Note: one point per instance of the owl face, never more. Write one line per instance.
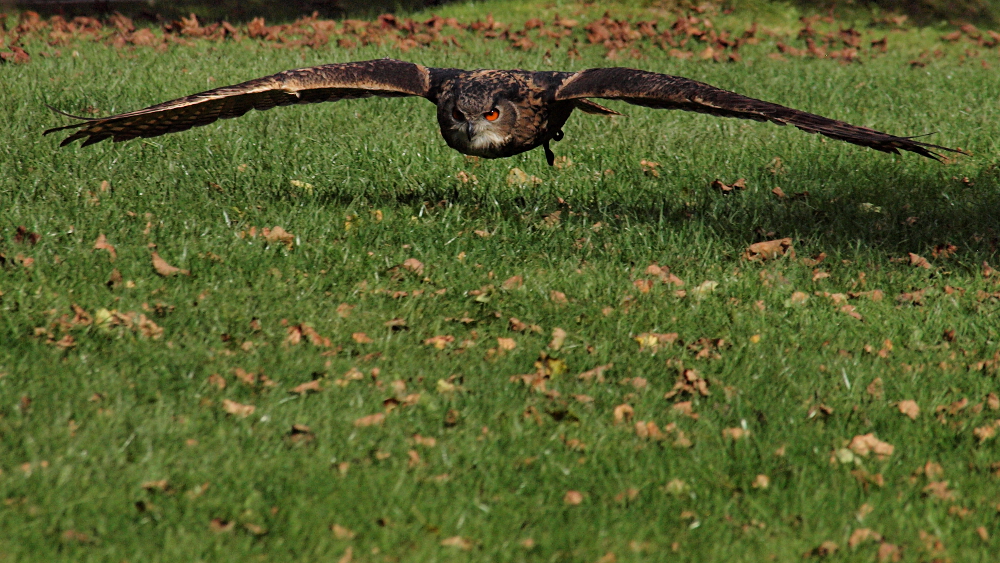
(478, 127)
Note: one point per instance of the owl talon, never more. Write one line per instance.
(550, 156)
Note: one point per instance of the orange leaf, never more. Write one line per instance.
(370, 420)
(909, 408)
(769, 250)
(304, 388)
(361, 338)
(164, 269)
(277, 234)
(865, 444)
(573, 498)
(237, 409)
(102, 244)
(414, 265)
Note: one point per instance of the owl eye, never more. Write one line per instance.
(492, 115)
(457, 115)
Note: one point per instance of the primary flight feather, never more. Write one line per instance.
(486, 113)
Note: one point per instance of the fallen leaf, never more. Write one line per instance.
(909, 407)
(939, 489)
(237, 409)
(573, 498)
(623, 413)
(558, 297)
(164, 269)
(704, 289)
(361, 338)
(513, 282)
(596, 373)
(277, 234)
(414, 265)
(458, 541)
(862, 535)
(735, 433)
(725, 189)
(865, 444)
(769, 250)
(761, 482)
(506, 343)
(102, 244)
(370, 420)
(440, 341)
(919, 261)
(348, 555)
(304, 388)
(558, 337)
(888, 553)
(341, 532)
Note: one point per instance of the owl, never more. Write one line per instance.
(484, 113)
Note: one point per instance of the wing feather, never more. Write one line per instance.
(662, 91)
(326, 83)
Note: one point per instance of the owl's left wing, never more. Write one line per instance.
(662, 91)
(326, 83)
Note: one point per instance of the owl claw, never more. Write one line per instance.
(550, 157)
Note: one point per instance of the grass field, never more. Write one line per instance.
(159, 418)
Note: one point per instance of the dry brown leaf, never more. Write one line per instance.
(864, 444)
(761, 482)
(306, 387)
(623, 413)
(164, 269)
(919, 261)
(558, 337)
(596, 373)
(370, 420)
(513, 282)
(909, 407)
(573, 498)
(102, 244)
(464, 544)
(237, 409)
(889, 553)
(348, 555)
(440, 341)
(862, 535)
(361, 338)
(769, 250)
(506, 343)
(735, 433)
(344, 310)
(558, 297)
(414, 265)
(277, 234)
(939, 489)
(720, 186)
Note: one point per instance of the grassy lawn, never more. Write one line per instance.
(447, 314)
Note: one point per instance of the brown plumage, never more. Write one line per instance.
(487, 113)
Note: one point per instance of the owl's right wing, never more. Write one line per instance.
(326, 83)
(662, 91)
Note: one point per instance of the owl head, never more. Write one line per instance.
(477, 125)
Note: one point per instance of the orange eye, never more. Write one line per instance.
(457, 115)
(492, 115)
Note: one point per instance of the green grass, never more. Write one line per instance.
(74, 463)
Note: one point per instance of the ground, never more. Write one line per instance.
(317, 333)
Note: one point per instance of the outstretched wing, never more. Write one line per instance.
(662, 91)
(382, 77)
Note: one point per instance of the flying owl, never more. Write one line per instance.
(485, 113)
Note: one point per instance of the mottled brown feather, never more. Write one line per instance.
(383, 77)
(662, 91)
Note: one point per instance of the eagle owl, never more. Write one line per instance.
(486, 113)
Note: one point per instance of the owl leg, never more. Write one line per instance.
(550, 157)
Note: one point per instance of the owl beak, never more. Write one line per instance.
(470, 131)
